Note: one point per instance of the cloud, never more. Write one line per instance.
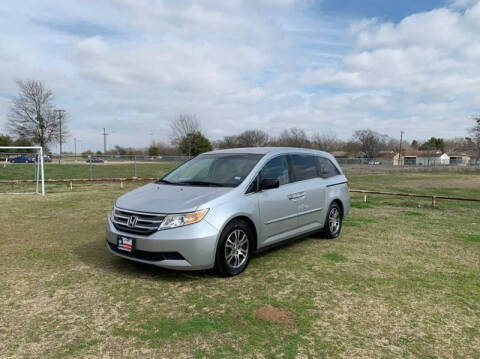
(132, 66)
(429, 62)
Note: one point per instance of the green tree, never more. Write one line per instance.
(194, 143)
(5, 140)
(433, 144)
(87, 153)
(153, 151)
(22, 141)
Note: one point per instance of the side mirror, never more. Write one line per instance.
(269, 183)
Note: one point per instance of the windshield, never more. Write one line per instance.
(220, 170)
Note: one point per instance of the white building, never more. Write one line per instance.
(433, 159)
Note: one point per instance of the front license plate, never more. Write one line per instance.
(125, 244)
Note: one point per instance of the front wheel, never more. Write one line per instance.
(233, 250)
(333, 222)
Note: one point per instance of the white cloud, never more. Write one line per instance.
(132, 65)
(429, 62)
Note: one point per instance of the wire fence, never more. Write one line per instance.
(433, 197)
(122, 168)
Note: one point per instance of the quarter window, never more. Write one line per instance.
(277, 168)
(327, 168)
(304, 167)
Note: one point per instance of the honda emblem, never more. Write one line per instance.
(132, 221)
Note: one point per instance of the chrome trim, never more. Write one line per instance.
(145, 222)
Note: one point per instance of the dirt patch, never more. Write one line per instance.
(274, 314)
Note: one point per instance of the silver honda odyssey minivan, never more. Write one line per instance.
(219, 208)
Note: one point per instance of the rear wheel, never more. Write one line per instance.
(333, 222)
(233, 250)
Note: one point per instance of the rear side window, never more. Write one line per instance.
(327, 168)
(304, 167)
(277, 168)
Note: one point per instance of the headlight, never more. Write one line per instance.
(112, 213)
(183, 219)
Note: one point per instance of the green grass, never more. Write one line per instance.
(473, 238)
(402, 280)
(84, 170)
(335, 257)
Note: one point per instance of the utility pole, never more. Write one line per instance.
(75, 146)
(60, 116)
(400, 151)
(105, 134)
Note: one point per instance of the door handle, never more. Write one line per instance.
(295, 196)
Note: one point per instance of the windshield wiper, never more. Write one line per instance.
(200, 183)
(165, 181)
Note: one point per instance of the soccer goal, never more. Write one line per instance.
(22, 170)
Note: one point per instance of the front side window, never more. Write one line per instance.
(216, 169)
(304, 167)
(277, 168)
(327, 168)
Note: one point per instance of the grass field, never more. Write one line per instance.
(401, 281)
(83, 170)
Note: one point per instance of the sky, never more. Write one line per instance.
(325, 66)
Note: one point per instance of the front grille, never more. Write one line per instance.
(148, 256)
(136, 222)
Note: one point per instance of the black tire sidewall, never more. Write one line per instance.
(221, 266)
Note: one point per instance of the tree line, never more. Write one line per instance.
(34, 119)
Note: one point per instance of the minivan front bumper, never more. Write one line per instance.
(190, 247)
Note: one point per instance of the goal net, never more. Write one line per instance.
(22, 170)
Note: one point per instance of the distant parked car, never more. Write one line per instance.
(95, 160)
(374, 163)
(46, 158)
(22, 159)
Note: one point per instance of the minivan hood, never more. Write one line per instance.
(164, 198)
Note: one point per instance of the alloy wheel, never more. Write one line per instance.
(334, 220)
(236, 248)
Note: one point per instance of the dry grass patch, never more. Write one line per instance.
(277, 315)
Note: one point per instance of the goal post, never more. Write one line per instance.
(23, 155)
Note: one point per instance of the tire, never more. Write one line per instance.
(333, 222)
(234, 249)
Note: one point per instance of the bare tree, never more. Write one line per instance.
(371, 142)
(475, 132)
(32, 115)
(248, 138)
(293, 137)
(252, 138)
(181, 127)
(326, 142)
(227, 142)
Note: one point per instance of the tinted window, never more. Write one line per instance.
(277, 168)
(304, 167)
(220, 169)
(327, 168)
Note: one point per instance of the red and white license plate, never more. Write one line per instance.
(125, 244)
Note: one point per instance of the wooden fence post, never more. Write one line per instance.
(433, 201)
(365, 198)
